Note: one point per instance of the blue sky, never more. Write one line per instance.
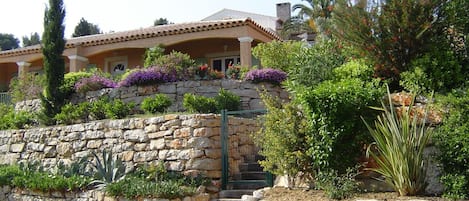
(23, 17)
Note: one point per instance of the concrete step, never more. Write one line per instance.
(224, 194)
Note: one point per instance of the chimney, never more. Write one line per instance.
(283, 14)
(284, 11)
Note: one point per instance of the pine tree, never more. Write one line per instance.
(54, 64)
(33, 39)
(84, 28)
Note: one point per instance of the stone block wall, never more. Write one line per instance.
(248, 92)
(186, 143)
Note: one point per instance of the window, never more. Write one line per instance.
(222, 63)
(116, 65)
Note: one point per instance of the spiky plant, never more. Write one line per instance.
(108, 168)
(400, 139)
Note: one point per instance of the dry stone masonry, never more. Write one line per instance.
(186, 143)
(248, 92)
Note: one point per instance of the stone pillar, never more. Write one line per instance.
(77, 63)
(23, 67)
(245, 51)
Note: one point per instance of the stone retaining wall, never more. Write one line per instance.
(9, 194)
(186, 143)
(248, 92)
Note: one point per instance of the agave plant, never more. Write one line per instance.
(108, 170)
(400, 139)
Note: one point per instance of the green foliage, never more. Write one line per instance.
(118, 109)
(70, 79)
(455, 187)
(200, 104)
(155, 181)
(315, 64)
(98, 108)
(8, 173)
(452, 139)
(278, 55)
(227, 100)
(108, 168)
(390, 34)
(158, 104)
(437, 70)
(400, 140)
(33, 39)
(333, 110)
(9, 119)
(356, 68)
(337, 186)
(27, 88)
(8, 42)
(175, 62)
(152, 54)
(54, 64)
(31, 176)
(84, 28)
(71, 113)
(283, 139)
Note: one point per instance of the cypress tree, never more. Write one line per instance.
(54, 64)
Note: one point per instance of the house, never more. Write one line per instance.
(222, 38)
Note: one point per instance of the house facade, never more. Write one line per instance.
(214, 42)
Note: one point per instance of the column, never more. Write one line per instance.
(23, 67)
(245, 51)
(77, 63)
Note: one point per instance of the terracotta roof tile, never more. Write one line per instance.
(149, 32)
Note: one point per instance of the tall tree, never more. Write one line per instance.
(84, 28)
(8, 41)
(161, 21)
(54, 65)
(317, 14)
(33, 39)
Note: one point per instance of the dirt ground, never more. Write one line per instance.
(282, 194)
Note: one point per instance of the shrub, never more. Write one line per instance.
(266, 75)
(157, 104)
(27, 88)
(200, 104)
(283, 140)
(118, 109)
(279, 55)
(337, 186)
(71, 78)
(176, 63)
(356, 68)
(152, 54)
(71, 113)
(452, 139)
(93, 83)
(8, 173)
(98, 108)
(400, 140)
(226, 100)
(333, 110)
(9, 119)
(148, 76)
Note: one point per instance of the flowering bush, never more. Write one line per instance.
(273, 76)
(153, 75)
(202, 71)
(93, 83)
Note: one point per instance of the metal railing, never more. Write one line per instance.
(5, 98)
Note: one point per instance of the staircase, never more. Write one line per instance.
(250, 178)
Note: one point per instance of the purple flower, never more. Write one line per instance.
(273, 76)
(94, 83)
(148, 76)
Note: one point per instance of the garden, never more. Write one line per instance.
(341, 108)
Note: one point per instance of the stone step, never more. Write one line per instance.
(224, 194)
(251, 175)
(253, 158)
(247, 167)
(247, 184)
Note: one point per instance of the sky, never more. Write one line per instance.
(24, 17)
